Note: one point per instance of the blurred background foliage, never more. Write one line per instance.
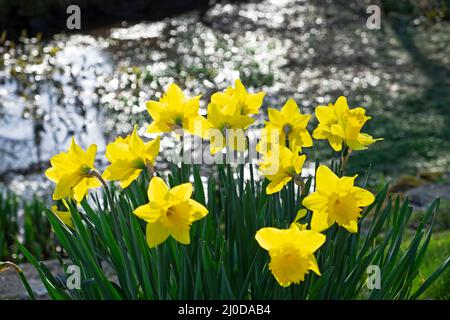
(26, 220)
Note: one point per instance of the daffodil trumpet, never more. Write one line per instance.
(342, 126)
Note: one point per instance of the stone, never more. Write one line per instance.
(422, 196)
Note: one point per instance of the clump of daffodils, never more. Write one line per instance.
(342, 126)
(170, 211)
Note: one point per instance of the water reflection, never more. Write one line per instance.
(94, 86)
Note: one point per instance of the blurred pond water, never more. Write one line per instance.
(94, 86)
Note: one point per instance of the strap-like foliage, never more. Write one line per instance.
(224, 260)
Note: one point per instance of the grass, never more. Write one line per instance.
(415, 124)
(438, 250)
(442, 217)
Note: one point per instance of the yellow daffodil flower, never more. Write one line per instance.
(128, 157)
(290, 127)
(170, 212)
(341, 125)
(238, 97)
(174, 111)
(336, 200)
(291, 252)
(72, 172)
(280, 165)
(64, 216)
(226, 128)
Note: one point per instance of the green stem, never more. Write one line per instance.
(344, 158)
(291, 197)
(150, 171)
(300, 183)
(182, 159)
(241, 180)
(252, 177)
(99, 177)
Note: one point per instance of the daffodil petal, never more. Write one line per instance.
(364, 197)
(313, 266)
(341, 105)
(182, 192)
(254, 102)
(220, 98)
(337, 130)
(315, 201)
(352, 226)
(299, 162)
(52, 175)
(90, 155)
(127, 180)
(148, 213)
(151, 149)
(268, 238)
(321, 132)
(290, 109)
(64, 186)
(156, 234)
(158, 127)
(320, 221)
(240, 90)
(335, 143)
(275, 116)
(324, 114)
(310, 241)
(136, 143)
(174, 94)
(181, 235)
(118, 150)
(157, 190)
(355, 145)
(277, 184)
(326, 179)
(80, 190)
(198, 210)
(154, 109)
(346, 183)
